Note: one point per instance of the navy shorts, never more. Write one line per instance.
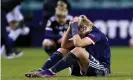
(95, 68)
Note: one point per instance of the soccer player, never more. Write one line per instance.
(8, 6)
(49, 8)
(89, 48)
(55, 28)
(16, 26)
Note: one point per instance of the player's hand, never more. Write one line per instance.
(76, 19)
(69, 25)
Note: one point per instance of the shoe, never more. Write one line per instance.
(10, 55)
(33, 73)
(13, 54)
(47, 73)
(18, 53)
(44, 73)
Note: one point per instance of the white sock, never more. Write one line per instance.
(14, 34)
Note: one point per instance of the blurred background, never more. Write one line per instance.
(112, 17)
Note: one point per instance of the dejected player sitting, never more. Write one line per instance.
(55, 28)
(88, 48)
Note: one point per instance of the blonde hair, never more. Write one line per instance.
(86, 21)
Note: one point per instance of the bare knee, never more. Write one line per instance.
(63, 51)
(48, 42)
(77, 51)
(80, 52)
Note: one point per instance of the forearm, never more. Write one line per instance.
(65, 38)
(68, 45)
(77, 41)
(76, 38)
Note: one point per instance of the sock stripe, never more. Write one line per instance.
(97, 66)
(51, 71)
(65, 62)
(52, 60)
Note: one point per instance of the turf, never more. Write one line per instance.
(121, 65)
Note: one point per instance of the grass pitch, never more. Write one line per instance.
(121, 66)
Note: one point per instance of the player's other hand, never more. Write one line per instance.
(76, 19)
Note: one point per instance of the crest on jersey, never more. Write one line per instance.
(48, 23)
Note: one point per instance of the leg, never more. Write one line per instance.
(75, 69)
(77, 54)
(89, 65)
(66, 62)
(83, 56)
(4, 35)
(49, 46)
(96, 68)
(57, 55)
(7, 41)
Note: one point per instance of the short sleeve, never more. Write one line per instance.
(48, 23)
(49, 30)
(95, 37)
(48, 26)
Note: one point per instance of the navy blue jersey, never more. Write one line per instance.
(54, 30)
(100, 48)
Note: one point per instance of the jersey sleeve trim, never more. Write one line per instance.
(49, 29)
(93, 42)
